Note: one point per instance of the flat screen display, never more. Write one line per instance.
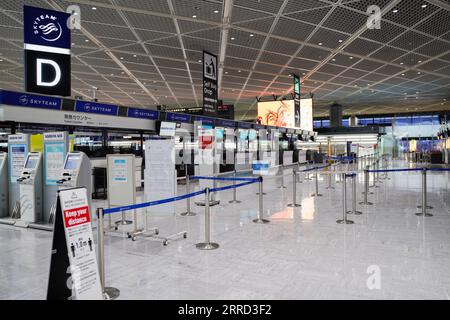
(72, 162)
(243, 134)
(252, 135)
(31, 163)
(167, 129)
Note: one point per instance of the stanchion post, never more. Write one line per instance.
(344, 219)
(109, 293)
(316, 177)
(207, 245)
(234, 190)
(366, 187)
(294, 191)
(424, 206)
(354, 211)
(260, 219)
(282, 186)
(188, 211)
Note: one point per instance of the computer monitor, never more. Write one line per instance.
(167, 129)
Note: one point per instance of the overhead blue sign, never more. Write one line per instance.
(93, 107)
(245, 125)
(205, 120)
(29, 100)
(46, 27)
(225, 123)
(177, 117)
(143, 114)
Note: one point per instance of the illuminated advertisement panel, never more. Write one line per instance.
(282, 114)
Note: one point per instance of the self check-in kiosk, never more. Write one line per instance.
(76, 173)
(30, 190)
(4, 205)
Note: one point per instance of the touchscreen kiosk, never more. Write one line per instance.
(76, 172)
(30, 190)
(4, 212)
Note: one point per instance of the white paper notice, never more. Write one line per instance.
(80, 244)
(18, 152)
(120, 170)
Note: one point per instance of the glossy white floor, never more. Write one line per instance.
(301, 254)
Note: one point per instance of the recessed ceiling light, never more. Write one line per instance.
(199, 60)
(351, 58)
(154, 81)
(121, 58)
(320, 43)
(424, 6)
(232, 38)
(401, 63)
(340, 40)
(403, 74)
(216, 11)
(111, 74)
(226, 72)
(252, 35)
(420, 61)
(395, 11)
(333, 59)
(94, 8)
(1, 60)
(194, 16)
(134, 55)
(73, 43)
(87, 40)
(122, 72)
(239, 71)
(419, 72)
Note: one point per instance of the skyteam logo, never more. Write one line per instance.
(23, 99)
(47, 27)
(87, 107)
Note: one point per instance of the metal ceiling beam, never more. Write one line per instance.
(226, 23)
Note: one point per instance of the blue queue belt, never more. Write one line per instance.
(189, 195)
(438, 169)
(315, 168)
(398, 170)
(152, 203)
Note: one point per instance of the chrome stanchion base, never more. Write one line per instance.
(366, 203)
(368, 193)
(188, 213)
(234, 201)
(426, 214)
(294, 205)
(342, 221)
(262, 193)
(356, 213)
(316, 195)
(211, 203)
(122, 223)
(261, 221)
(282, 187)
(111, 293)
(207, 246)
(428, 207)
(330, 188)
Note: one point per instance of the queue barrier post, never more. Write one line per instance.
(109, 293)
(329, 187)
(294, 191)
(344, 219)
(234, 190)
(316, 177)
(188, 211)
(260, 218)
(366, 187)
(354, 211)
(207, 245)
(282, 186)
(424, 206)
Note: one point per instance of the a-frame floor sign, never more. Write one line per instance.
(74, 273)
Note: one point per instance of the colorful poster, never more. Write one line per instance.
(80, 244)
(120, 170)
(54, 154)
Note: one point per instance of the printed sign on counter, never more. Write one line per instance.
(120, 170)
(80, 244)
(17, 154)
(55, 154)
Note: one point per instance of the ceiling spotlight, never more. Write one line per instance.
(226, 72)
(199, 60)
(395, 11)
(239, 71)
(1, 60)
(94, 8)
(121, 58)
(401, 63)
(232, 38)
(351, 58)
(403, 74)
(73, 43)
(194, 16)
(340, 40)
(420, 61)
(419, 72)
(111, 74)
(216, 11)
(122, 72)
(320, 43)
(252, 35)
(87, 40)
(134, 55)
(424, 6)
(333, 59)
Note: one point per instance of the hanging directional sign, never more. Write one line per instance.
(210, 88)
(297, 100)
(47, 51)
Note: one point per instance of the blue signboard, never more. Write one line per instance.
(143, 114)
(176, 117)
(225, 123)
(46, 27)
(205, 120)
(245, 125)
(29, 100)
(98, 108)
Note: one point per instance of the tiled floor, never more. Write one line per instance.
(301, 254)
